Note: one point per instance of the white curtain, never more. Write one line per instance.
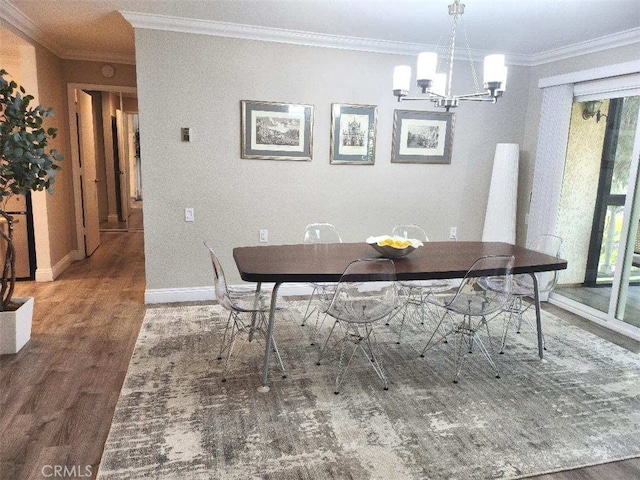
(551, 152)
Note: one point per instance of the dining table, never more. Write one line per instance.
(318, 263)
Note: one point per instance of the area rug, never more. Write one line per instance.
(176, 419)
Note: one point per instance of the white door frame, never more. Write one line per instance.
(75, 155)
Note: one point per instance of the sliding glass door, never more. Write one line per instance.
(598, 216)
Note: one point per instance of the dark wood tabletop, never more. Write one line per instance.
(326, 262)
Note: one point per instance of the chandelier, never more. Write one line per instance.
(436, 86)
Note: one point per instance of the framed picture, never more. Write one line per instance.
(276, 131)
(353, 134)
(422, 137)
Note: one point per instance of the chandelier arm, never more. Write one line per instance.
(481, 99)
(431, 98)
(473, 95)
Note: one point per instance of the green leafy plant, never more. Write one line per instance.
(26, 164)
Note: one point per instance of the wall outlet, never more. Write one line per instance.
(453, 233)
(189, 215)
(264, 236)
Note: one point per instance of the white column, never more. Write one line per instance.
(500, 218)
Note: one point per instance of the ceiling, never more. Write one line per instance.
(83, 29)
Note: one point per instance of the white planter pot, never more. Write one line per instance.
(15, 327)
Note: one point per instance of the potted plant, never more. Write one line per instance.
(26, 164)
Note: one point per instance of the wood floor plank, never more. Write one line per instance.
(58, 395)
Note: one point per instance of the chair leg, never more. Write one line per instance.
(277, 352)
(466, 337)
(443, 337)
(223, 345)
(317, 326)
(483, 349)
(343, 370)
(326, 342)
(458, 345)
(362, 341)
(235, 330)
(405, 310)
(371, 354)
(515, 308)
(308, 313)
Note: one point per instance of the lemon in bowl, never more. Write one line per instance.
(393, 247)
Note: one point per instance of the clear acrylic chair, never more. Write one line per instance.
(319, 233)
(356, 305)
(523, 286)
(473, 304)
(415, 291)
(248, 311)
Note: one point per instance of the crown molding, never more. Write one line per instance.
(296, 37)
(252, 32)
(14, 17)
(86, 56)
(620, 39)
(18, 20)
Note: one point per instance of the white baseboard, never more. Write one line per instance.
(50, 274)
(170, 295)
(201, 294)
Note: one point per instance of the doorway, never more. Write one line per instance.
(114, 134)
(598, 216)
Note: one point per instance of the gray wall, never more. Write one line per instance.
(197, 81)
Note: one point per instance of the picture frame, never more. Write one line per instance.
(276, 131)
(422, 137)
(353, 134)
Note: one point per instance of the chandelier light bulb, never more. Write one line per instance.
(494, 69)
(402, 78)
(439, 84)
(426, 68)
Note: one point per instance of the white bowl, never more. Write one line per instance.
(390, 251)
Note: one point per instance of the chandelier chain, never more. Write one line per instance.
(476, 83)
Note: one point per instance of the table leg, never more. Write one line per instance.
(536, 300)
(256, 306)
(268, 341)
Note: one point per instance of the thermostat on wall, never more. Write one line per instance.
(108, 71)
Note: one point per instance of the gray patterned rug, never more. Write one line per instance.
(175, 419)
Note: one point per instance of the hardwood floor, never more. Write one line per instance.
(58, 395)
